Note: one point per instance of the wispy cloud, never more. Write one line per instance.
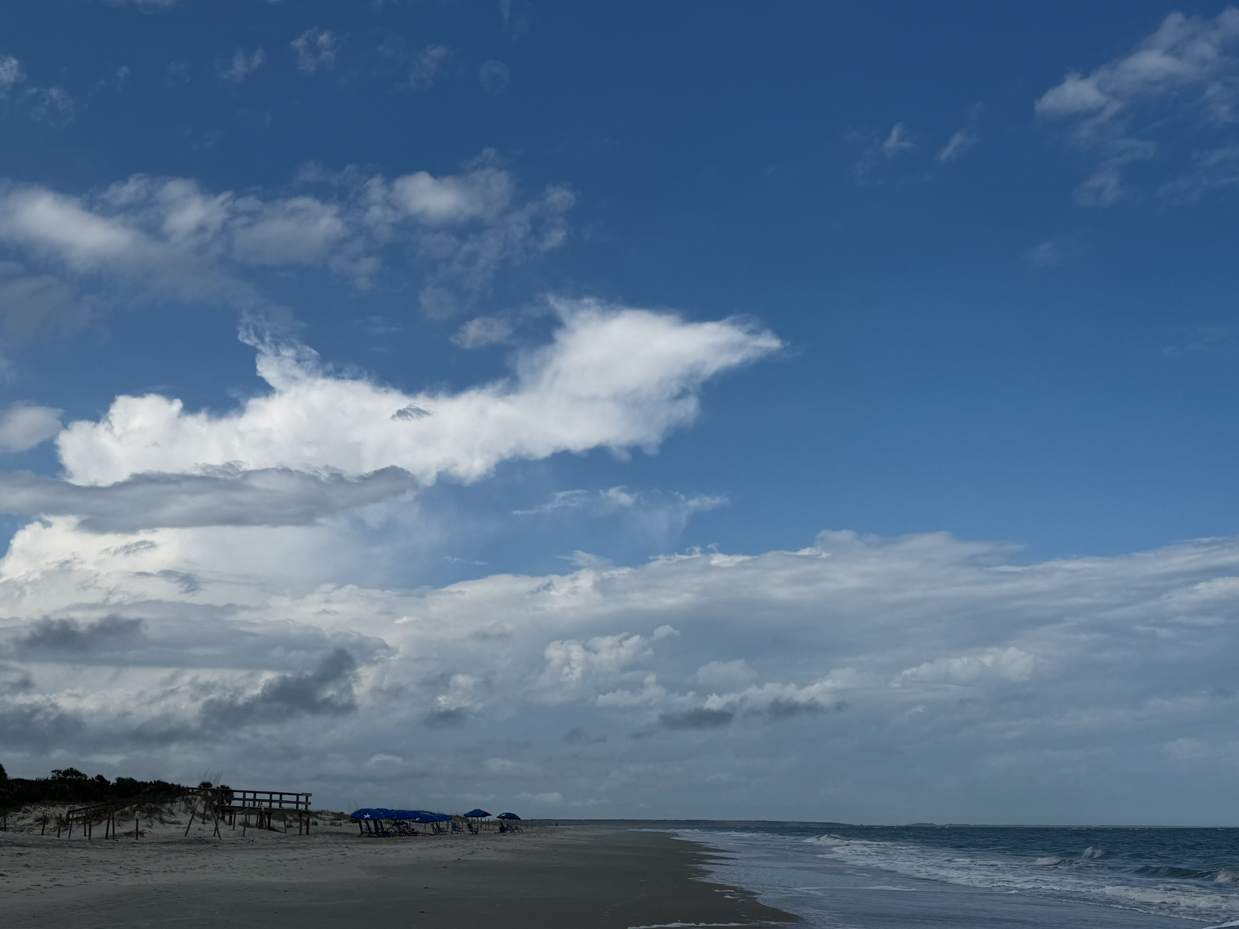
(482, 330)
(315, 49)
(881, 150)
(1203, 340)
(168, 235)
(1054, 251)
(494, 76)
(241, 65)
(146, 5)
(963, 140)
(11, 73)
(1181, 81)
(426, 66)
(897, 141)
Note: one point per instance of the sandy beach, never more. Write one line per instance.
(569, 877)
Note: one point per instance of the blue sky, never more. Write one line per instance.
(574, 298)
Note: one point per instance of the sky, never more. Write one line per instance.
(694, 410)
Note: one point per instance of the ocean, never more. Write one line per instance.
(875, 877)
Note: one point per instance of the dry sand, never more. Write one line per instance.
(548, 878)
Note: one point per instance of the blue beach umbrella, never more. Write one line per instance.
(507, 816)
(477, 814)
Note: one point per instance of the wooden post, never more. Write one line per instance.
(137, 823)
(191, 818)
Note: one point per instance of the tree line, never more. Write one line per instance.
(69, 785)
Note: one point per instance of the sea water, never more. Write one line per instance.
(876, 876)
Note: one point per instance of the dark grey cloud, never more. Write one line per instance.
(67, 638)
(266, 497)
(39, 725)
(457, 716)
(325, 690)
(185, 582)
(785, 709)
(698, 718)
(161, 634)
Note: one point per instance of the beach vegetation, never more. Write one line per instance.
(71, 786)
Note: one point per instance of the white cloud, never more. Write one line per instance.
(483, 192)
(242, 65)
(482, 330)
(168, 235)
(1181, 81)
(494, 76)
(582, 670)
(315, 48)
(1013, 664)
(298, 230)
(24, 425)
(611, 377)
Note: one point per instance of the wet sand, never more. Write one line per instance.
(571, 877)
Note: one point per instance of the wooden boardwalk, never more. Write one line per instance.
(214, 804)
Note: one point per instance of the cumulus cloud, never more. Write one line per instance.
(611, 377)
(889, 662)
(315, 48)
(1179, 82)
(168, 235)
(24, 425)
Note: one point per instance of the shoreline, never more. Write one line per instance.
(570, 877)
